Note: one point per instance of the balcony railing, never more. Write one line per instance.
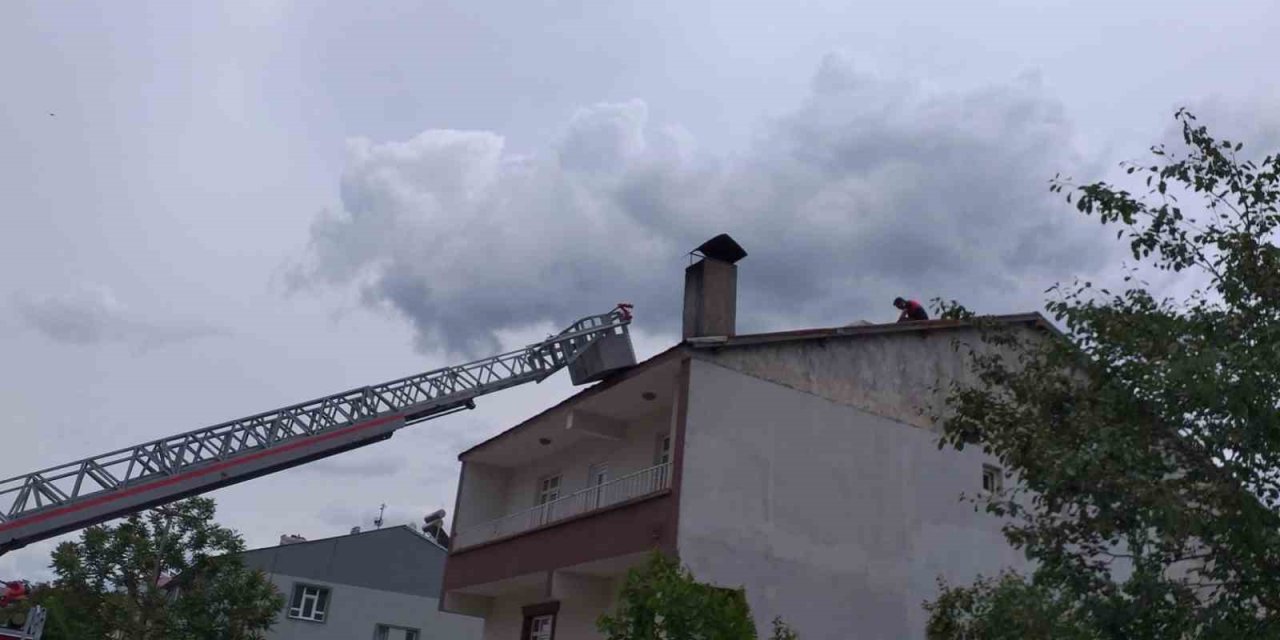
(635, 485)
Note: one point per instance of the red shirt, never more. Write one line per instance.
(914, 311)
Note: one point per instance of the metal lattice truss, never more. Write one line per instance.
(326, 420)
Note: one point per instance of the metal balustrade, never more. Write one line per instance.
(594, 498)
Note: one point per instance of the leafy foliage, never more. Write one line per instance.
(1145, 446)
(782, 631)
(112, 581)
(64, 608)
(662, 600)
(1005, 608)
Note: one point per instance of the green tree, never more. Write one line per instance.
(661, 600)
(1005, 608)
(111, 582)
(63, 606)
(1144, 446)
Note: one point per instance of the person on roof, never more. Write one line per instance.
(911, 310)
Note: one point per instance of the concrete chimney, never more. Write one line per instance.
(711, 289)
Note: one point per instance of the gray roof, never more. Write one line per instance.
(857, 330)
(750, 339)
(393, 559)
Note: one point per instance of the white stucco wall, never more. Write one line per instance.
(505, 619)
(833, 517)
(895, 375)
(353, 613)
(576, 619)
(482, 494)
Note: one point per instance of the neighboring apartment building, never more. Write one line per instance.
(802, 466)
(377, 585)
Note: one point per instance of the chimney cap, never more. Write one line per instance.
(723, 248)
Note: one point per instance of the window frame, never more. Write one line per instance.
(323, 603)
(541, 490)
(595, 473)
(537, 634)
(540, 500)
(663, 448)
(538, 611)
(996, 474)
(383, 631)
(596, 470)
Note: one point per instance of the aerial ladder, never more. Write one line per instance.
(52, 501)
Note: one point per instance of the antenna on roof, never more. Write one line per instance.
(378, 521)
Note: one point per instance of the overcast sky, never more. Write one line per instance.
(216, 209)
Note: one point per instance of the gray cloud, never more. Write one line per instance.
(870, 187)
(1254, 122)
(93, 316)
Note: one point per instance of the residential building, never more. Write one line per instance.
(382, 584)
(803, 466)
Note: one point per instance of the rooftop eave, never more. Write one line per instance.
(922, 326)
(569, 403)
(717, 342)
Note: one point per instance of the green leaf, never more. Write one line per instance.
(1146, 437)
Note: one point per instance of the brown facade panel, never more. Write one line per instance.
(640, 526)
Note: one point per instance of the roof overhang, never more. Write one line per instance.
(559, 418)
(595, 412)
(1034, 320)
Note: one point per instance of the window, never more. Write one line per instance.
(597, 477)
(548, 489)
(661, 456)
(540, 621)
(389, 632)
(992, 479)
(664, 450)
(540, 627)
(309, 603)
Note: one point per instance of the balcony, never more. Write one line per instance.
(578, 488)
(595, 498)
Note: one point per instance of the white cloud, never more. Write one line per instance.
(31, 564)
(604, 138)
(871, 187)
(92, 315)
